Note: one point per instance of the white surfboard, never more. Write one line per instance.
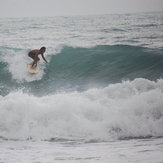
(32, 70)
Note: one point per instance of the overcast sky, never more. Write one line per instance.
(23, 8)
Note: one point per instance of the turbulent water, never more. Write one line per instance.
(103, 80)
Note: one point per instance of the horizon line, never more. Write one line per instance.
(80, 15)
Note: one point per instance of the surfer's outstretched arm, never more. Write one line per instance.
(44, 58)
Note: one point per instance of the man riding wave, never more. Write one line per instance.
(34, 55)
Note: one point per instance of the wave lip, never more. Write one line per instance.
(131, 109)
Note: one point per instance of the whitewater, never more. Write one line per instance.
(99, 98)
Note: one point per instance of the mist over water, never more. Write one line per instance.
(103, 80)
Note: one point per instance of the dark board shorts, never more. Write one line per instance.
(31, 55)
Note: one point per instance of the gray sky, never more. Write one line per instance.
(21, 8)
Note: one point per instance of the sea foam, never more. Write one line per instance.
(124, 110)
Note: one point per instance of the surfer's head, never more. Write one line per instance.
(43, 49)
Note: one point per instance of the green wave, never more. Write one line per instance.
(106, 63)
(96, 66)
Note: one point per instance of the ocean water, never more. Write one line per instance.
(99, 98)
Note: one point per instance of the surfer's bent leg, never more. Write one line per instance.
(31, 55)
(34, 64)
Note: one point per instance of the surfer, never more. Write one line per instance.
(34, 55)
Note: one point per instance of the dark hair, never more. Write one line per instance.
(43, 48)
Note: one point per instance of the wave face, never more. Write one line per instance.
(118, 111)
(82, 67)
(106, 63)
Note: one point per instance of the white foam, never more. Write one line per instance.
(17, 65)
(17, 61)
(128, 109)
